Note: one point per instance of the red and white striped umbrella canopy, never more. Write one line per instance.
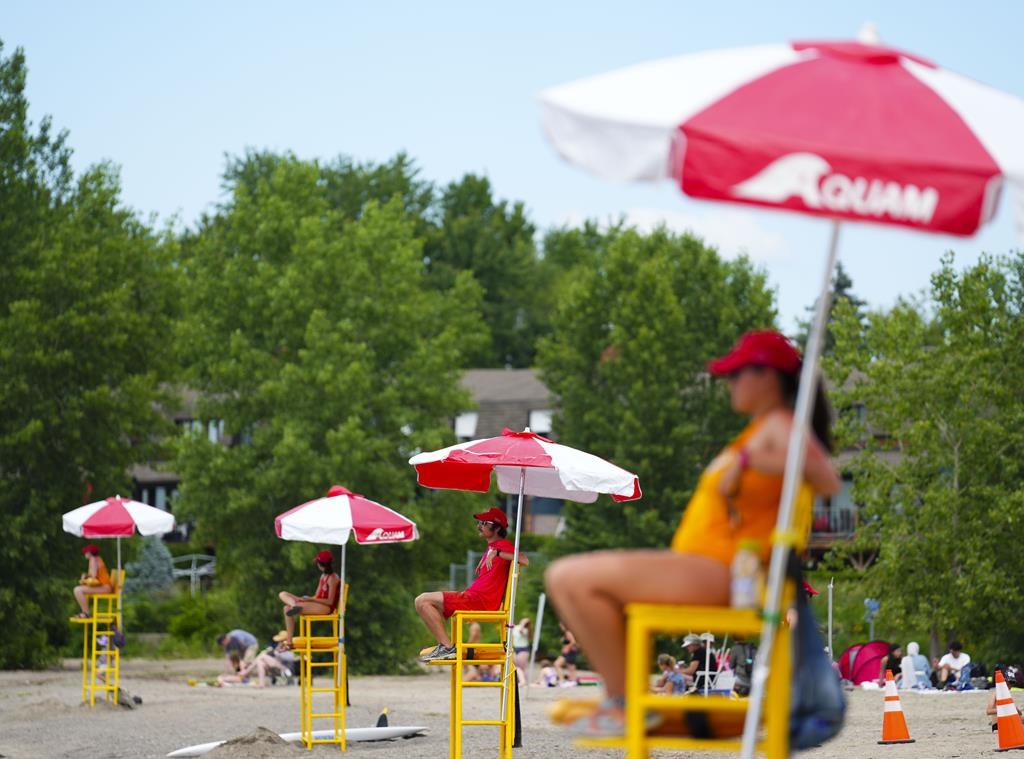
(552, 470)
(116, 518)
(334, 518)
(838, 129)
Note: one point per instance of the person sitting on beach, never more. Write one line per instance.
(890, 662)
(485, 593)
(916, 671)
(95, 581)
(993, 717)
(736, 500)
(701, 667)
(323, 602)
(566, 661)
(240, 649)
(548, 676)
(954, 671)
(672, 681)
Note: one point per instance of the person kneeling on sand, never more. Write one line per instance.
(485, 593)
(324, 601)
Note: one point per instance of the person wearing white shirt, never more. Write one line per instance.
(954, 665)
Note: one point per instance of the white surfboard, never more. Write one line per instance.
(352, 735)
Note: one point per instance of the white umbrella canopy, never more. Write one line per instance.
(117, 517)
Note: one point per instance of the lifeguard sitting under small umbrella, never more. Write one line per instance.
(324, 601)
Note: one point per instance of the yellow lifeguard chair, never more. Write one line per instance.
(101, 662)
(483, 653)
(322, 651)
(644, 621)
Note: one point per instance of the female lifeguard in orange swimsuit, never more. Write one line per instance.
(324, 601)
(737, 498)
(95, 580)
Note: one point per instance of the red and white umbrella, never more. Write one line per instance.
(845, 130)
(550, 470)
(837, 129)
(117, 517)
(339, 515)
(527, 464)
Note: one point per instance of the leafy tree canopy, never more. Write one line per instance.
(87, 301)
(626, 359)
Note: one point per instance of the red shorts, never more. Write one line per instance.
(461, 601)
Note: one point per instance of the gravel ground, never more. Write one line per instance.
(40, 716)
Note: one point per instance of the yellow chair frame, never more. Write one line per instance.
(483, 653)
(102, 663)
(320, 652)
(644, 621)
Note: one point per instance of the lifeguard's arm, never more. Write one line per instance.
(94, 567)
(334, 588)
(523, 560)
(766, 452)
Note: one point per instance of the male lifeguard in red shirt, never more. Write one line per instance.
(485, 593)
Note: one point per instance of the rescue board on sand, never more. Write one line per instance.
(352, 735)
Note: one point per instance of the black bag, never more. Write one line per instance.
(818, 704)
(118, 637)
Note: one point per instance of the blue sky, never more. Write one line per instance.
(166, 90)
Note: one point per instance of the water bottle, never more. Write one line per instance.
(747, 583)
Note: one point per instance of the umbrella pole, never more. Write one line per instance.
(790, 487)
(512, 596)
(536, 640)
(118, 554)
(341, 604)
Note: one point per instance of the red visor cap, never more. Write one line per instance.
(764, 347)
(91, 548)
(493, 515)
(324, 557)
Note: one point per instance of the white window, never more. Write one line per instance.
(540, 421)
(215, 430)
(465, 426)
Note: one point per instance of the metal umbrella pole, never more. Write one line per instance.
(536, 640)
(795, 456)
(512, 592)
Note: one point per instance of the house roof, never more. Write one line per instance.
(507, 385)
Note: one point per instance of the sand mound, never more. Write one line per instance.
(261, 743)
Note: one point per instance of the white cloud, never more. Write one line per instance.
(732, 232)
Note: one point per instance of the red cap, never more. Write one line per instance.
(493, 515)
(808, 589)
(762, 347)
(91, 548)
(324, 557)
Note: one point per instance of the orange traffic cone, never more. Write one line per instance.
(894, 724)
(1011, 731)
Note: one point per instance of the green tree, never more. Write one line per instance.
(493, 240)
(317, 339)
(86, 305)
(930, 395)
(842, 295)
(626, 360)
(154, 570)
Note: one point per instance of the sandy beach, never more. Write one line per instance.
(40, 716)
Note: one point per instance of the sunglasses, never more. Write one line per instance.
(482, 524)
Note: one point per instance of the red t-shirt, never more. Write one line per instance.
(489, 585)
